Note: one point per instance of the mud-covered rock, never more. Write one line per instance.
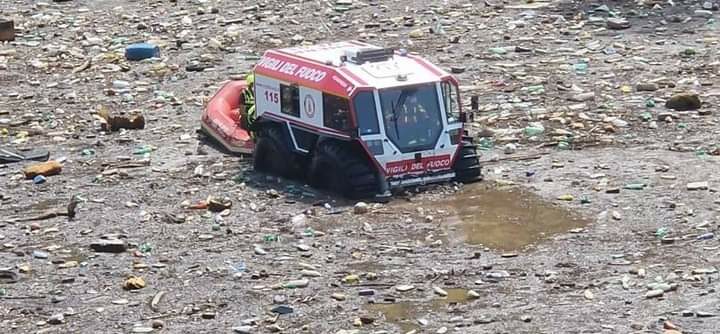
(684, 102)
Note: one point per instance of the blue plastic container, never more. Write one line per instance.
(39, 179)
(140, 51)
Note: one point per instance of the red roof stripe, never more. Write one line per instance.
(309, 74)
(353, 76)
(426, 65)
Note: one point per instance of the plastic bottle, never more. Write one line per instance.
(536, 90)
(299, 283)
(237, 267)
(485, 143)
(534, 129)
(581, 68)
(39, 179)
(498, 51)
(706, 236)
(566, 197)
(141, 51)
(635, 186)
(145, 149)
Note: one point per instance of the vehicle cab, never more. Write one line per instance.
(404, 112)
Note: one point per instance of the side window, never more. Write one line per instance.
(290, 100)
(366, 113)
(336, 112)
(452, 103)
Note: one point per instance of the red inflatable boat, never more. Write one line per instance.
(221, 119)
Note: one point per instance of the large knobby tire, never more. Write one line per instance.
(271, 153)
(340, 168)
(467, 165)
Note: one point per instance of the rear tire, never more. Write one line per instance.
(467, 166)
(271, 155)
(339, 168)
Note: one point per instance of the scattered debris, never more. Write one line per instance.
(109, 246)
(142, 51)
(116, 122)
(134, 283)
(48, 168)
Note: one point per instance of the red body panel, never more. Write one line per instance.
(221, 118)
(303, 72)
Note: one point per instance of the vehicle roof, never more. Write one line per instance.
(343, 78)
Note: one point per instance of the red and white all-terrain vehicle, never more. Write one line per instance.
(351, 117)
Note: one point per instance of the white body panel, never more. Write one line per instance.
(267, 95)
(311, 106)
(268, 101)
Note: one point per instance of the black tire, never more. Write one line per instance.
(340, 168)
(467, 166)
(271, 153)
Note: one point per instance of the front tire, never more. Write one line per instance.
(340, 168)
(467, 166)
(271, 155)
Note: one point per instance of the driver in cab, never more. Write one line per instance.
(413, 116)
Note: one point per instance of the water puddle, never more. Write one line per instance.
(364, 267)
(406, 315)
(74, 254)
(505, 219)
(402, 315)
(40, 206)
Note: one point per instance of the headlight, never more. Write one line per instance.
(375, 146)
(455, 136)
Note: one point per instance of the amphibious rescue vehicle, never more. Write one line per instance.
(351, 117)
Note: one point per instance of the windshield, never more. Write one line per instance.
(412, 116)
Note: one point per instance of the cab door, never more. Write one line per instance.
(367, 117)
(452, 112)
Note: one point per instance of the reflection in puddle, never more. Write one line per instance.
(401, 314)
(406, 314)
(74, 254)
(39, 206)
(505, 219)
(365, 267)
(454, 296)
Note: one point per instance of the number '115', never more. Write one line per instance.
(273, 97)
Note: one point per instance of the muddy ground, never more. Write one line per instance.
(587, 227)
